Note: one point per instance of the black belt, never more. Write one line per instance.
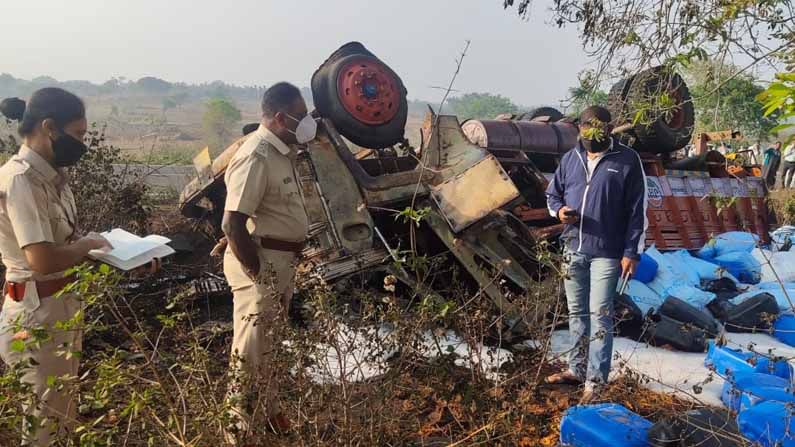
(279, 245)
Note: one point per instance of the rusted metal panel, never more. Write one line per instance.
(475, 193)
(346, 265)
(527, 214)
(446, 151)
(467, 254)
(340, 195)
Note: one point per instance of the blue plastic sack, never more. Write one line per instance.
(603, 425)
(701, 268)
(692, 295)
(729, 242)
(669, 273)
(683, 263)
(774, 285)
(742, 265)
(646, 269)
(746, 390)
(768, 423)
(776, 266)
(645, 298)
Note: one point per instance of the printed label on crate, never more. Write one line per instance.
(678, 187)
(739, 188)
(699, 187)
(756, 187)
(722, 187)
(654, 192)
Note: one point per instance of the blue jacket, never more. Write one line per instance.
(612, 204)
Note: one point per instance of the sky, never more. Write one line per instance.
(259, 42)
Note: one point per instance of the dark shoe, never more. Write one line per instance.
(563, 378)
(280, 424)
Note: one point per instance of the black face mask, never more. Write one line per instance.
(68, 150)
(596, 147)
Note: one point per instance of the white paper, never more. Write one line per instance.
(127, 245)
(131, 251)
(158, 252)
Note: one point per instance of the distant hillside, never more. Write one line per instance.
(160, 121)
(146, 86)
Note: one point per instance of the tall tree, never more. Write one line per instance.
(627, 36)
(586, 93)
(481, 106)
(725, 99)
(221, 116)
(152, 85)
(166, 104)
(635, 34)
(779, 98)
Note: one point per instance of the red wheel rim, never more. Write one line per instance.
(368, 91)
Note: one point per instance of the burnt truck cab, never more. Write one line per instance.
(460, 193)
(472, 194)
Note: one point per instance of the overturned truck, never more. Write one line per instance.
(472, 194)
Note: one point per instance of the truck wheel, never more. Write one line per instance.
(617, 100)
(541, 113)
(362, 96)
(669, 114)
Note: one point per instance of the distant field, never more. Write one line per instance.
(139, 127)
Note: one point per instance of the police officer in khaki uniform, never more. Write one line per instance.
(265, 225)
(38, 243)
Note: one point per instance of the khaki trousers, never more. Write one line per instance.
(260, 312)
(53, 408)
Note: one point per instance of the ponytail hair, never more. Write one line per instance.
(47, 103)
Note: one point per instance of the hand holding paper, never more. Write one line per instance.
(130, 251)
(96, 241)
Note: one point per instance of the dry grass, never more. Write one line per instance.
(781, 203)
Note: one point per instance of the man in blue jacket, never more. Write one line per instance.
(599, 192)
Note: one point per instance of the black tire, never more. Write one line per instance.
(542, 112)
(752, 315)
(705, 427)
(681, 311)
(681, 336)
(617, 101)
(617, 106)
(628, 318)
(662, 131)
(251, 127)
(328, 103)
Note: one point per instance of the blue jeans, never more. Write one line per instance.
(590, 288)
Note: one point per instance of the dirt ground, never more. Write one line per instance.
(417, 402)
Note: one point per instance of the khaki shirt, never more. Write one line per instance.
(36, 205)
(261, 183)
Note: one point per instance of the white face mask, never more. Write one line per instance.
(306, 129)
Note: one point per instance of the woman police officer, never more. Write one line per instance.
(38, 243)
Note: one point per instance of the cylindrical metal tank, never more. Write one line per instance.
(529, 136)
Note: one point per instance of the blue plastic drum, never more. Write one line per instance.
(603, 425)
(646, 269)
(768, 423)
(746, 390)
(726, 362)
(784, 329)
